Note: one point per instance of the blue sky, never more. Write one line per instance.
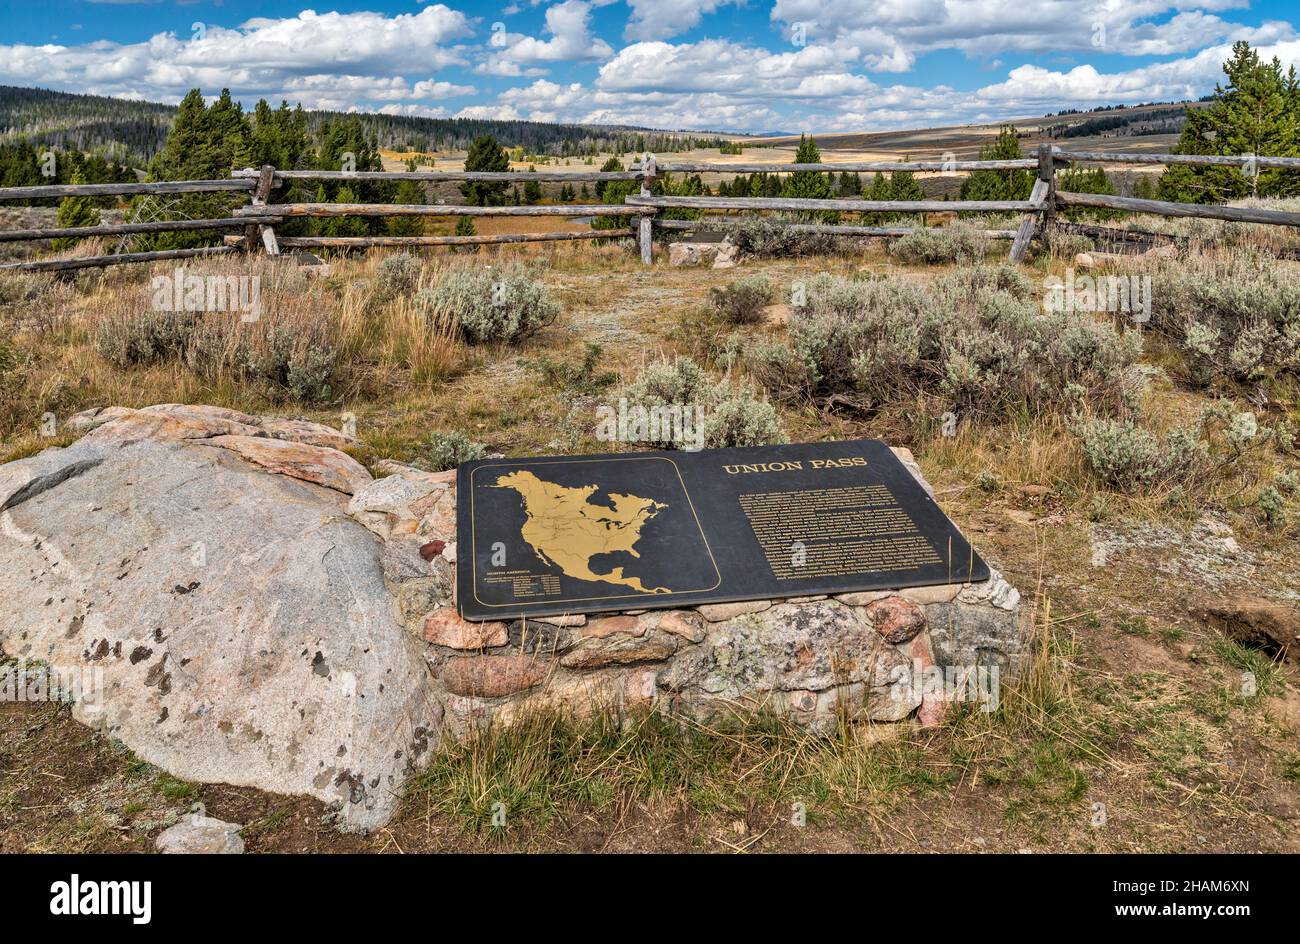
(739, 65)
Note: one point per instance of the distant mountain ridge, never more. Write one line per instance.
(135, 130)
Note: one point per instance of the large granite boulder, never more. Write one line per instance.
(237, 621)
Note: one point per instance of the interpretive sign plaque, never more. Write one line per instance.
(541, 537)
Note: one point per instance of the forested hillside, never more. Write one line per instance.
(137, 130)
(127, 131)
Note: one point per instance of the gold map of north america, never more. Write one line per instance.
(567, 530)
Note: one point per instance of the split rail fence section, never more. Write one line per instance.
(256, 222)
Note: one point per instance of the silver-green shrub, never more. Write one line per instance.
(772, 236)
(396, 275)
(1238, 320)
(975, 342)
(959, 243)
(1129, 457)
(743, 301)
(144, 336)
(293, 360)
(502, 304)
(734, 414)
(448, 450)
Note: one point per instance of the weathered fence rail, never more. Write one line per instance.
(365, 242)
(842, 206)
(128, 229)
(438, 209)
(1163, 208)
(117, 258)
(690, 167)
(259, 219)
(122, 190)
(433, 176)
(1206, 160)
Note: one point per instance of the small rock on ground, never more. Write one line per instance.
(203, 835)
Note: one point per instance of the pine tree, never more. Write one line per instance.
(999, 184)
(1081, 179)
(75, 211)
(465, 226)
(1257, 113)
(408, 192)
(905, 186)
(485, 155)
(204, 144)
(345, 225)
(613, 165)
(191, 153)
(807, 184)
(881, 188)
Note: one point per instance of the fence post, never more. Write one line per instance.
(1044, 192)
(265, 181)
(1047, 174)
(646, 223)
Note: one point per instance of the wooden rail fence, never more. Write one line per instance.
(258, 219)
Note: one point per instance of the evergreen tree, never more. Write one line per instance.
(409, 192)
(905, 187)
(613, 165)
(485, 155)
(465, 226)
(532, 192)
(1082, 179)
(75, 211)
(204, 144)
(1257, 113)
(345, 225)
(881, 188)
(231, 133)
(807, 184)
(999, 184)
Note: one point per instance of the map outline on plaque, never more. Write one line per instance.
(580, 495)
(584, 534)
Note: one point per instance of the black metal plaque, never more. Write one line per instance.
(540, 537)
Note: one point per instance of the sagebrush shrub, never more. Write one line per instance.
(448, 450)
(502, 304)
(584, 376)
(1129, 457)
(396, 275)
(975, 341)
(132, 336)
(299, 360)
(1238, 320)
(776, 235)
(19, 287)
(743, 301)
(734, 414)
(959, 243)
